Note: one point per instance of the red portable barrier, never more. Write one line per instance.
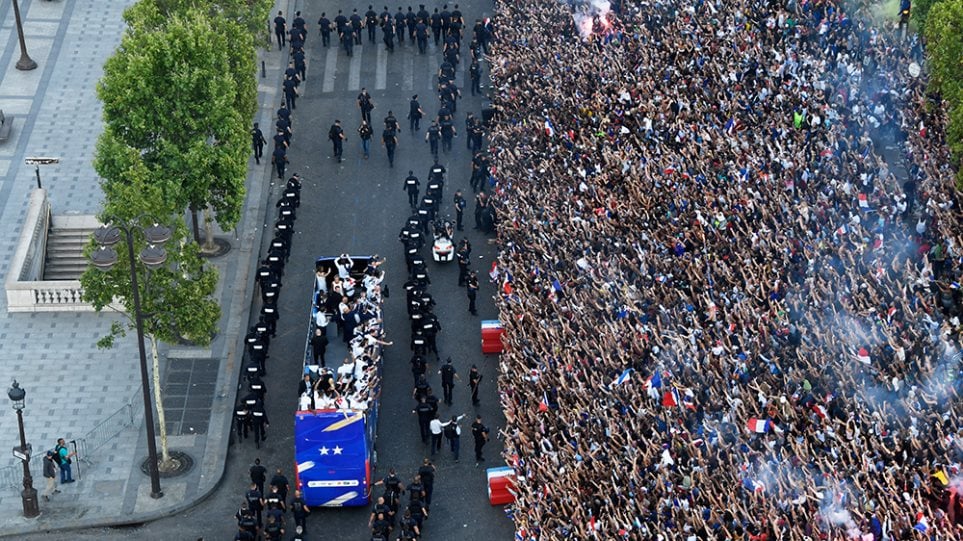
(501, 484)
(491, 336)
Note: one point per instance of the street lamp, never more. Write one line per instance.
(29, 495)
(25, 63)
(153, 256)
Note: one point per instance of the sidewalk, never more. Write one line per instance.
(72, 387)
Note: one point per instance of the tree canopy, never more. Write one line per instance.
(944, 50)
(170, 97)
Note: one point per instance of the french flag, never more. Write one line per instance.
(670, 398)
(760, 426)
(549, 129)
(626, 374)
(863, 356)
(820, 411)
(843, 229)
(493, 273)
(863, 201)
(688, 400)
(654, 381)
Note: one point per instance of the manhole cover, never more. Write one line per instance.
(180, 464)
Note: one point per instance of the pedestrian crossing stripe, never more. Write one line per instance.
(404, 69)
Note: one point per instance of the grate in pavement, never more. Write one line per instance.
(188, 392)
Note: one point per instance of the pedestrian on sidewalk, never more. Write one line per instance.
(66, 459)
(50, 474)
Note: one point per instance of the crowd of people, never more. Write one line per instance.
(729, 273)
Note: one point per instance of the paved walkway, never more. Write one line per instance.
(72, 387)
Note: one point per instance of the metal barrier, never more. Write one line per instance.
(11, 477)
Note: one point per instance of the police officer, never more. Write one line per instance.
(281, 482)
(300, 510)
(347, 40)
(299, 63)
(371, 23)
(447, 133)
(460, 204)
(280, 158)
(390, 141)
(242, 420)
(337, 137)
(393, 489)
(257, 142)
(412, 186)
(324, 23)
(419, 367)
(421, 34)
(280, 29)
(356, 25)
(448, 377)
(247, 522)
(291, 91)
(409, 527)
(480, 433)
(382, 509)
(436, 26)
(463, 257)
(259, 421)
(423, 410)
(414, 114)
(410, 21)
(433, 136)
(273, 530)
(366, 105)
(255, 503)
(258, 474)
(400, 26)
(388, 29)
(481, 206)
(300, 24)
(474, 380)
(472, 292)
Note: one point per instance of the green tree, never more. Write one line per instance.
(920, 11)
(242, 22)
(169, 94)
(944, 55)
(176, 299)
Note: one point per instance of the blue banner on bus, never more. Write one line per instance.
(331, 449)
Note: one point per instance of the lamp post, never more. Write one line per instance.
(153, 256)
(31, 508)
(25, 63)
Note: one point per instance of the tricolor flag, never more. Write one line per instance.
(843, 229)
(654, 381)
(493, 273)
(543, 405)
(820, 411)
(549, 129)
(669, 170)
(863, 356)
(688, 399)
(863, 201)
(626, 374)
(759, 425)
(922, 523)
(670, 398)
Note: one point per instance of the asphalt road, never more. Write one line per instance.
(358, 206)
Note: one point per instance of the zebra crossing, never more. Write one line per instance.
(404, 68)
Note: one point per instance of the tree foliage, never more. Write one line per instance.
(169, 96)
(177, 299)
(242, 22)
(944, 49)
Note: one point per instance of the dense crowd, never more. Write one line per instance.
(729, 274)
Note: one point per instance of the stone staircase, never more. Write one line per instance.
(64, 258)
